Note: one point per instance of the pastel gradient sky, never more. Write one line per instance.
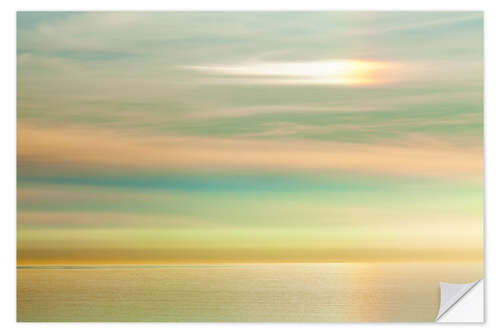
(207, 137)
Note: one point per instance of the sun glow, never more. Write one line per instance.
(342, 72)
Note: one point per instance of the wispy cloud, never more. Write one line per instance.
(86, 147)
(329, 72)
(338, 72)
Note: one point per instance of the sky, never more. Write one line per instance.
(237, 137)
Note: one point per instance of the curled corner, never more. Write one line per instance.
(461, 302)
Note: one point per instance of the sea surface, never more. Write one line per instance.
(333, 292)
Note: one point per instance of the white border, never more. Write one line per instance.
(252, 5)
(8, 155)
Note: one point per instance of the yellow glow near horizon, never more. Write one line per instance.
(342, 72)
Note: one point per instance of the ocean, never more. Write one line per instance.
(312, 292)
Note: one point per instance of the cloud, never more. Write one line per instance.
(329, 72)
(347, 72)
(397, 126)
(228, 112)
(83, 147)
(409, 21)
